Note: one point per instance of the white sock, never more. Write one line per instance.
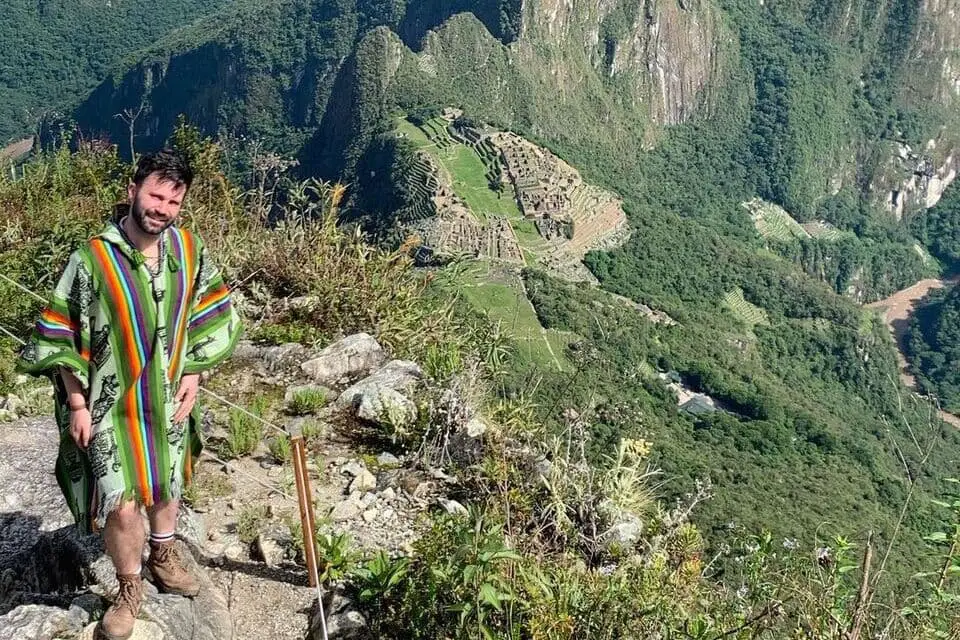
(161, 537)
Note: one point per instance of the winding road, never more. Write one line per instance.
(896, 313)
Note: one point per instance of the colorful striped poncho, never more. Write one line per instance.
(128, 336)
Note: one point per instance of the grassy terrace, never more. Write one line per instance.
(504, 301)
(465, 168)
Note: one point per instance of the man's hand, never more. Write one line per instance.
(81, 427)
(186, 396)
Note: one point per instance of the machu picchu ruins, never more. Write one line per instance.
(556, 217)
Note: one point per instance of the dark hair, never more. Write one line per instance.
(169, 166)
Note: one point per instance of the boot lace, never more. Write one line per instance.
(129, 595)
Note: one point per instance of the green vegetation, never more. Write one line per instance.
(773, 222)
(933, 344)
(750, 314)
(468, 172)
(939, 228)
(244, 432)
(249, 522)
(502, 300)
(53, 53)
(571, 527)
(308, 401)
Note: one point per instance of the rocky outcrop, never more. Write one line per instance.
(55, 583)
(345, 360)
(669, 55)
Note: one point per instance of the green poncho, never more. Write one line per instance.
(128, 336)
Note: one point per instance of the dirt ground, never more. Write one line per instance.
(897, 311)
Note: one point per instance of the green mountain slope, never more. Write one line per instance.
(52, 53)
(839, 113)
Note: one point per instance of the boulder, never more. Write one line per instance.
(386, 407)
(346, 510)
(43, 622)
(344, 621)
(364, 481)
(398, 375)
(345, 360)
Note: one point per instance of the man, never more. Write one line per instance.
(138, 314)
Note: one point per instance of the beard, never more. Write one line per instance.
(148, 220)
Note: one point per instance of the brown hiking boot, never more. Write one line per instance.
(117, 623)
(168, 571)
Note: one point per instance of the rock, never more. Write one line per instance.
(12, 403)
(7, 416)
(190, 528)
(453, 507)
(345, 360)
(386, 459)
(623, 534)
(353, 468)
(284, 356)
(21, 380)
(42, 622)
(142, 630)
(387, 407)
(388, 494)
(368, 499)
(268, 550)
(398, 375)
(343, 620)
(364, 481)
(234, 552)
(476, 428)
(370, 515)
(346, 510)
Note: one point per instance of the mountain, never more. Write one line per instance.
(54, 51)
(774, 162)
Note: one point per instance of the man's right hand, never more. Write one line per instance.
(81, 427)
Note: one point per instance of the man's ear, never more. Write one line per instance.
(131, 192)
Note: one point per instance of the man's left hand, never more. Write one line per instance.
(186, 396)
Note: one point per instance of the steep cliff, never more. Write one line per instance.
(916, 172)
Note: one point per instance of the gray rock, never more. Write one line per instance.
(353, 468)
(364, 481)
(142, 630)
(284, 356)
(370, 515)
(346, 510)
(343, 620)
(387, 407)
(345, 360)
(398, 375)
(12, 403)
(453, 507)
(42, 622)
(476, 428)
(388, 495)
(269, 550)
(387, 459)
(624, 533)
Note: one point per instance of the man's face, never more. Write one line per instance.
(155, 204)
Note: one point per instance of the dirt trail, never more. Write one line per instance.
(897, 311)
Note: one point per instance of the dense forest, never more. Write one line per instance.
(55, 51)
(934, 346)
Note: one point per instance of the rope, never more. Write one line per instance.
(245, 412)
(24, 289)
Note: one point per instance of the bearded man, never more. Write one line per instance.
(139, 312)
